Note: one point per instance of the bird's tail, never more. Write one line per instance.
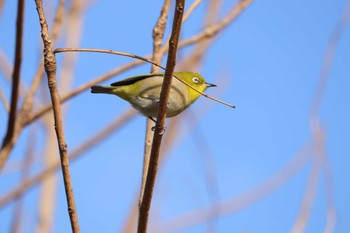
(101, 89)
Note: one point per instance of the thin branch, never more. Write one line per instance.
(159, 128)
(79, 151)
(158, 35)
(108, 51)
(50, 68)
(13, 119)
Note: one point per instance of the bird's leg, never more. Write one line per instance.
(151, 118)
(155, 122)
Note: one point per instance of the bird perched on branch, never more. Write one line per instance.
(143, 92)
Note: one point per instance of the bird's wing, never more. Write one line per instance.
(132, 80)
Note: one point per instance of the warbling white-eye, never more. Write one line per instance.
(143, 92)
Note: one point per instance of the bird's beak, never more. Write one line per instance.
(210, 85)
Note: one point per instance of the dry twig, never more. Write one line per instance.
(158, 35)
(159, 128)
(50, 68)
(8, 141)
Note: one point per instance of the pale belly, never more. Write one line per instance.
(149, 105)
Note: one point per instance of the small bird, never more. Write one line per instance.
(143, 92)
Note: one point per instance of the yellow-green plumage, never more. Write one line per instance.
(143, 92)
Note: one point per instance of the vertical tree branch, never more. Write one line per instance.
(159, 129)
(50, 68)
(158, 34)
(12, 121)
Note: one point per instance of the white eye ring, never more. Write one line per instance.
(195, 80)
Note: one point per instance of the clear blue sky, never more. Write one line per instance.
(267, 63)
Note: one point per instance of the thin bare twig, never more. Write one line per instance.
(50, 68)
(159, 128)
(158, 34)
(140, 58)
(13, 119)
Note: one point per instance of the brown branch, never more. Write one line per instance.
(13, 119)
(50, 68)
(158, 35)
(108, 51)
(159, 128)
(79, 151)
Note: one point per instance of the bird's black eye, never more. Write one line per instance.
(195, 80)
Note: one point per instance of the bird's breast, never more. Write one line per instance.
(147, 102)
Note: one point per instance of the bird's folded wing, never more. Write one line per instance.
(134, 79)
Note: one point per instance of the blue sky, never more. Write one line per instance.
(267, 63)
